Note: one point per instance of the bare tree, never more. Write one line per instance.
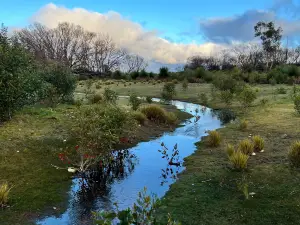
(134, 63)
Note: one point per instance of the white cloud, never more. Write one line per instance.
(125, 33)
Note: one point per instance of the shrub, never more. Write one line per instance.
(243, 125)
(134, 75)
(226, 97)
(264, 101)
(203, 99)
(109, 96)
(297, 103)
(258, 143)
(171, 118)
(225, 82)
(134, 101)
(4, 193)
(246, 147)
(281, 90)
(239, 160)
(98, 86)
(247, 96)
(229, 149)
(185, 85)
(169, 91)
(157, 114)
(149, 99)
(140, 117)
(214, 138)
(96, 98)
(163, 72)
(294, 154)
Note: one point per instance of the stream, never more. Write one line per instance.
(143, 170)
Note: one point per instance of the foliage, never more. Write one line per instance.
(185, 85)
(281, 90)
(294, 154)
(109, 96)
(226, 97)
(246, 147)
(214, 138)
(134, 101)
(140, 117)
(169, 91)
(230, 149)
(297, 103)
(239, 160)
(148, 99)
(243, 125)
(171, 118)
(157, 114)
(4, 194)
(258, 143)
(225, 82)
(95, 98)
(247, 96)
(163, 72)
(143, 212)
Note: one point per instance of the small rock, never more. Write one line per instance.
(65, 140)
(252, 193)
(262, 150)
(253, 153)
(54, 208)
(18, 151)
(193, 184)
(284, 136)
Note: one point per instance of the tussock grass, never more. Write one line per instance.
(294, 154)
(243, 125)
(258, 143)
(246, 147)
(214, 138)
(4, 194)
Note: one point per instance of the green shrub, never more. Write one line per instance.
(157, 114)
(239, 160)
(203, 99)
(258, 143)
(98, 86)
(243, 125)
(226, 97)
(225, 82)
(4, 194)
(281, 91)
(140, 117)
(163, 72)
(169, 91)
(175, 81)
(185, 85)
(229, 149)
(297, 103)
(294, 154)
(247, 96)
(264, 101)
(246, 147)
(109, 96)
(149, 99)
(214, 138)
(171, 118)
(96, 98)
(134, 101)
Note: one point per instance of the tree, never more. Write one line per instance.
(271, 39)
(135, 63)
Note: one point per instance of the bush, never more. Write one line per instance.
(96, 98)
(169, 91)
(226, 97)
(157, 114)
(134, 101)
(185, 85)
(297, 103)
(140, 117)
(258, 143)
(230, 149)
(214, 138)
(225, 82)
(204, 99)
(109, 96)
(149, 99)
(171, 118)
(243, 125)
(163, 72)
(98, 86)
(247, 96)
(4, 193)
(294, 154)
(281, 90)
(239, 160)
(246, 147)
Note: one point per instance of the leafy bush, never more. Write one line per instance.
(185, 85)
(96, 98)
(247, 96)
(171, 118)
(246, 147)
(214, 138)
(143, 74)
(109, 96)
(149, 99)
(281, 90)
(243, 125)
(98, 86)
(169, 91)
(239, 160)
(225, 82)
(157, 114)
(134, 101)
(297, 103)
(4, 193)
(258, 143)
(264, 101)
(226, 97)
(294, 154)
(203, 99)
(229, 149)
(163, 72)
(140, 117)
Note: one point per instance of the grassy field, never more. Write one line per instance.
(209, 191)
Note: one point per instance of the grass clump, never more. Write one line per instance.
(230, 149)
(134, 101)
(139, 117)
(258, 143)
(171, 118)
(297, 103)
(214, 138)
(246, 147)
(239, 160)
(294, 154)
(96, 98)
(4, 193)
(243, 125)
(157, 114)
(109, 96)
(98, 86)
(148, 99)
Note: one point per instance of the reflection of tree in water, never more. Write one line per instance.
(224, 115)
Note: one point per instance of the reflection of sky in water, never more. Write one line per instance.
(147, 172)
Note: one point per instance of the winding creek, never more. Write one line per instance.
(145, 169)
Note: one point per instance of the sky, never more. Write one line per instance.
(165, 32)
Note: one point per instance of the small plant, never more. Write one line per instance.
(148, 99)
(4, 193)
(140, 117)
(264, 101)
(297, 103)
(203, 99)
(247, 96)
(96, 98)
(109, 96)
(239, 160)
(294, 154)
(258, 143)
(243, 125)
(230, 149)
(227, 97)
(171, 118)
(98, 86)
(214, 138)
(243, 187)
(246, 147)
(281, 91)
(185, 84)
(157, 114)
(169, 91)
(134, 101)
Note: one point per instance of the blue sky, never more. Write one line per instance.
(175, 20)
